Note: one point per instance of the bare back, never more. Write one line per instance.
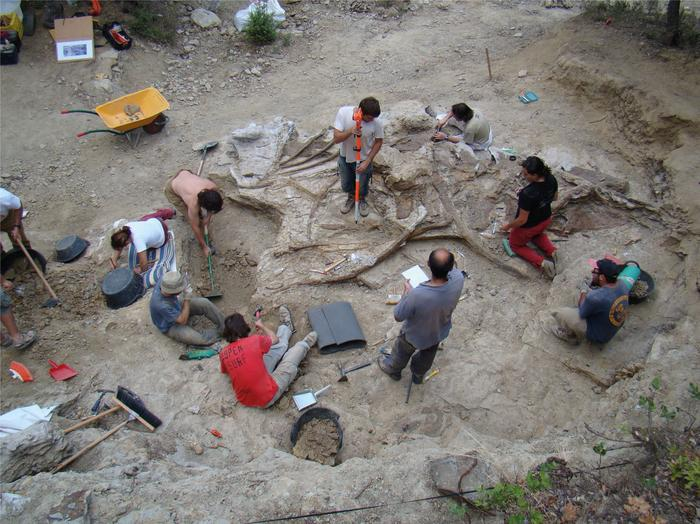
(187, 186)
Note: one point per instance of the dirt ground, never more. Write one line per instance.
(507, 389)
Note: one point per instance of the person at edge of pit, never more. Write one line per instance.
(475, 129)
(602, 307)
(260, 366)
(10, 335)
(196, 198)
(426, 313)
(172, 315)
(534, 215)
(149, 232)
(11, 212)
(372, 137)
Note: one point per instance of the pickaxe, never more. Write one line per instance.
(344, 372)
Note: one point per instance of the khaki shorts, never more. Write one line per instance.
(173, 197)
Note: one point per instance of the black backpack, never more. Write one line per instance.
(116, 36)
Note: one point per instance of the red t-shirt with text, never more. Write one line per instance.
(243, 361)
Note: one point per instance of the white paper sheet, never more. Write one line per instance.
(415, 275)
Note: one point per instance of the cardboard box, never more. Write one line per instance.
(74, 39)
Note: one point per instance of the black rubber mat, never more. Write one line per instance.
(337, 327)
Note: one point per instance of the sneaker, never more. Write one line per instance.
(549, 269)
(6, 340)
(348, 205)
(430, 111)
(555, 258)
(25, 340)
(311, 339)
(384, 366)
(564, 334)
(364, 208)
(417, 379)
(286, 317)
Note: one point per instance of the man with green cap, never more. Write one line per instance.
(171, 315)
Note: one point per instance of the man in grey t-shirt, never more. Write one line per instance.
(426, 313)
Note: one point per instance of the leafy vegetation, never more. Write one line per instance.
(261, 28)
(646, 18)
(156, 21)
(514, 499)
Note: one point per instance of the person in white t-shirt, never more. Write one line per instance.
(147, 233)
(11, 218)
(372, 138)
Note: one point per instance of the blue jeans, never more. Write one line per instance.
(347, 178)
(5, 302)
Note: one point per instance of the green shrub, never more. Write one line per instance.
(155, 21)
(261, 28)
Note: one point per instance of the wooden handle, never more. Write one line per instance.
(36, 268)
(135, 415)
(89, 447)
(92, 419)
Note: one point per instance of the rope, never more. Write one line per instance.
(362, 508)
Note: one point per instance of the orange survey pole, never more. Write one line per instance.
(357, 117)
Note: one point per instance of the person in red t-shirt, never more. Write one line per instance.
(260, 366)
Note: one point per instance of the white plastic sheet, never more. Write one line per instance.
(21, 418)
(240, 19)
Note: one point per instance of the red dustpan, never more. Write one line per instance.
(61, 372)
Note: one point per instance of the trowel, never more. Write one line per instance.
(204, 148)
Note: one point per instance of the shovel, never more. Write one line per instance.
(53, 301)
(204, 148)
(307, 397)
(214, 293)
(62, 371)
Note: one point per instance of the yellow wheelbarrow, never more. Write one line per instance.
(140, 110)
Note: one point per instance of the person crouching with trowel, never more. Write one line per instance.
(351, 123)
(602, 307)
(172, 315)
(260, 366)
(196, 198)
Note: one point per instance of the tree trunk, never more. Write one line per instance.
(673, 22)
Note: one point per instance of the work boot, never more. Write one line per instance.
(348, 205)
(286, 317)
(549, 269)
(417, 379)
(383, 363)
(364, 208)
(311, 339)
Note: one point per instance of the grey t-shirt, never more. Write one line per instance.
(605, 310)
(426, 311)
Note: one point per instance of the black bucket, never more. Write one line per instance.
(317, 413)
(649, 281)
(15, 256)
(157, 125)
(122, 287)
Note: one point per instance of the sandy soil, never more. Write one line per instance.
(506, 389)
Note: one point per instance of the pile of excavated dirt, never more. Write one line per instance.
(318, 440)
(508, 393)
